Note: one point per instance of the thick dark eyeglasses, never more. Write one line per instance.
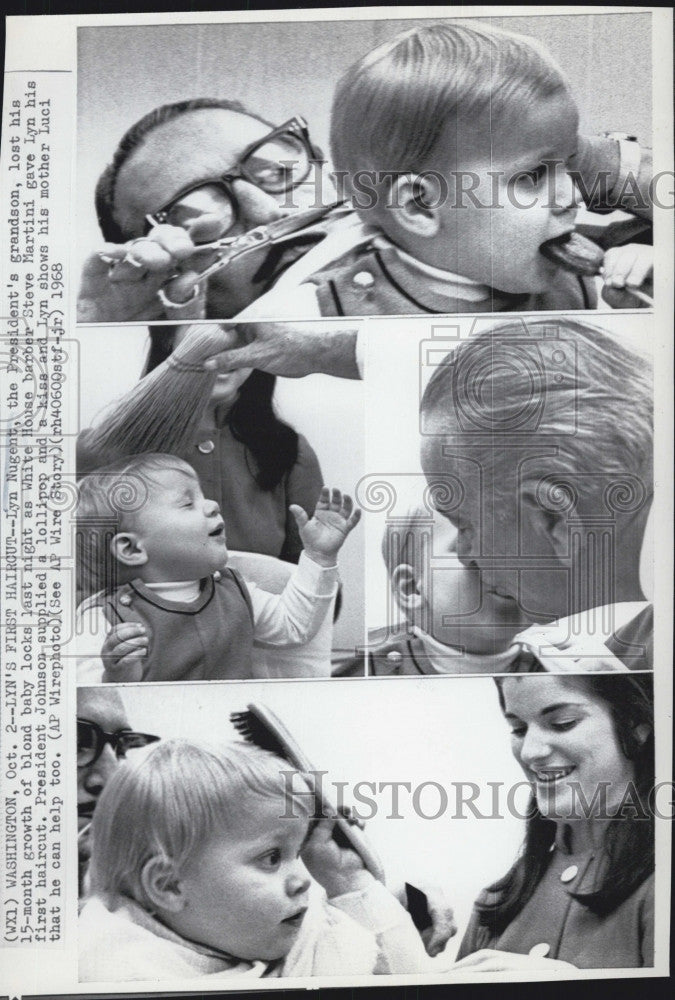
(277, 163)
(92, 740)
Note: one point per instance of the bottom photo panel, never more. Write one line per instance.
(476, 826)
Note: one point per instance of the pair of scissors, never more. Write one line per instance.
(231, 248)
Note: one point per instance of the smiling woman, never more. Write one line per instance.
(582, 890)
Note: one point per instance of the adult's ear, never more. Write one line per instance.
(405, 586)
(414, 203)
(547, 521)
(162, 886)
(128, 549)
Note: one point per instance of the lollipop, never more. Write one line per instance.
(575, 253)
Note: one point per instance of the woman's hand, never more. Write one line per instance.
(338, 869)
(491, 960)
(624, 269)
(120, 282)
(324, 534)
(123, 652)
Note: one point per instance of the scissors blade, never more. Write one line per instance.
(274, 232)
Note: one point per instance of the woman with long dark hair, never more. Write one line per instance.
(582, 889)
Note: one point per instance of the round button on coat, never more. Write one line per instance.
(394, 656)
(569, 873)
(206, 447)
(363, 279)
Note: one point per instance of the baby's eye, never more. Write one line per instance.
(272, 859)
(518, 731)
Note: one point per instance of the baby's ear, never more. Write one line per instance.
(162, 886)
(405, 586)
(413, 204)
(128, 549)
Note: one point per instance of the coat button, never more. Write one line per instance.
(363, 279)
(569, 873)
(125, 600)
(206, 447)
(540, 950)
(394, 656)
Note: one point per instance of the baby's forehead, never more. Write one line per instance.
(178, 476)
(260, 817)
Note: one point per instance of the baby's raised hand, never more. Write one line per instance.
(338, 869)
(323, 535)
(124, 649)
(625, 271)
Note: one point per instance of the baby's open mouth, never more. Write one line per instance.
(217, 532)
(574, 252)
(296, 919)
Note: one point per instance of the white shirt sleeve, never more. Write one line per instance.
(399, 946)
(294, 616)
(91, 629)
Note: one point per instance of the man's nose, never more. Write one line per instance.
(298, 880)
(97, 774)
(565, 195)
(257, 207)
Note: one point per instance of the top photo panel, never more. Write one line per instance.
(293, 170)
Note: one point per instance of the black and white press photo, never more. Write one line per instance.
(336, 520)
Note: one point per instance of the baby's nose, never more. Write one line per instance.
(211, 507)
(298, 880)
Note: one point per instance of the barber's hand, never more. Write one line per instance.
(624, 269)
(120, 282)
(338, 869)
(123, 652)
(490, 960)
(292, 350)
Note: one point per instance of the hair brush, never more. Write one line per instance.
(259, 725)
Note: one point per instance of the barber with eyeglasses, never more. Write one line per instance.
(183, 179)
(104, 737)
